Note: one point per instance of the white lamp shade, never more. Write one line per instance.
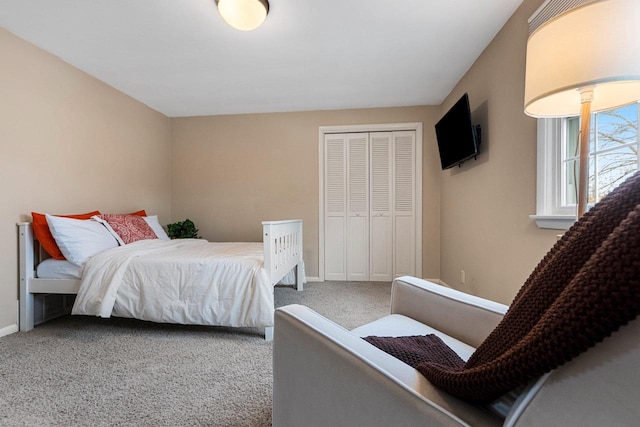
(595, 45)
(245, 15)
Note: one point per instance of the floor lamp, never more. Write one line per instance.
(584, 60)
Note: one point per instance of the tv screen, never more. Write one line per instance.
(456, 135)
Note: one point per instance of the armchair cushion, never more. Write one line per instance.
(400, 325)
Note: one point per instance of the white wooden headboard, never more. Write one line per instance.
(283, 249)
(29, 255)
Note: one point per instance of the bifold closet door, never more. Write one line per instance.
(369, 208)
(347, 206)
(357, 206)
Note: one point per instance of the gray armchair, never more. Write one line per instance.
(325, 375)
(566, 353)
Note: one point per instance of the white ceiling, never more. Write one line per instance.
(180, 58)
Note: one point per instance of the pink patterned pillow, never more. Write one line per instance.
(127, 228)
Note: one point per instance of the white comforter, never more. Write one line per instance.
(179, 281)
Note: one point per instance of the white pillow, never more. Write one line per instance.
(80, 239)
(109, 229)
(156, 227)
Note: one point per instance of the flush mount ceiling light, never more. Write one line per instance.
(244, 15)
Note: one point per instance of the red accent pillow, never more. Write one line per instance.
(42, 233)
(130, 228)
(139, 213)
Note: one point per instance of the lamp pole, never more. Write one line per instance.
(586, 96)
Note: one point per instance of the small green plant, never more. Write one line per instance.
(182, 230)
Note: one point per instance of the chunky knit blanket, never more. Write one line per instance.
(583, 290)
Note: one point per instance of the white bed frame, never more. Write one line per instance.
(282, 253)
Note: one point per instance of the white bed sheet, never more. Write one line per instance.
(58, 269)
(188, 281)
(52, 268)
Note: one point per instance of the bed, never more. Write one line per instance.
(277, 257)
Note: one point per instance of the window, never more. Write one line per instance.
(613, 156)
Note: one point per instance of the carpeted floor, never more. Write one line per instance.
(81, 371)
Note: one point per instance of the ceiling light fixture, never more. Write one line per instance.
(244, 15)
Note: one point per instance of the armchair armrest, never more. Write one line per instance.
(465, 317)
(325, 375)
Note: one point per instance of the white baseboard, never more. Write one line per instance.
(8, 330)
(313, 279)
(11, 329)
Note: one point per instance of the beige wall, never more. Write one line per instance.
(486, 230)
(68, 144)
(232, 172)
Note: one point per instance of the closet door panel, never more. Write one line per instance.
(357, 250)
(381, 247)
(335, 209)
(358, 206)
(335, 259)
(404, 173)
(405, 243)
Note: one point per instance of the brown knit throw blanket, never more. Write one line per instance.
(582, 291)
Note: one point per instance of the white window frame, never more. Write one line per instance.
(550, 213)
(549, 210)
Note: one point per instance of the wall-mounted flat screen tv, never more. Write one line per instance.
(456, 135)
